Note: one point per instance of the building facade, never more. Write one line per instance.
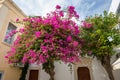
(89, 68)
(115, 8)
(9, 12)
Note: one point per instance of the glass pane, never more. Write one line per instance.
(9, 29)
(0, 76)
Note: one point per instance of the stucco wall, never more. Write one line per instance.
(3, 15)
(99, 72)
(114, 6)
(8, 13)
(62, 72)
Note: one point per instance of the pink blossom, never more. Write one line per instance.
(42, 59)
(44, 49)
(61, 13)
(25, 58)
(89, 25)
(17, 20)
(13, 50)
(32, 60)
(22, 30)
(75, 43)
(6, 37)
(69, 38)
(17, 40)
(77, 16)
(37, 34)
(86, 24)
(58, 6)
(32, 53)
(11, 33)
(14, 31)
(71, 7)
(53, 36)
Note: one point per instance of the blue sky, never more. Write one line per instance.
(83, 7)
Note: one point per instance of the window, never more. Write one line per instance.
(1, 75)
(118, 10)
(9, 29)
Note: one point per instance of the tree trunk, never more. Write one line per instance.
(52, 73)
(49, 68)
(24, 72)
(105, 60)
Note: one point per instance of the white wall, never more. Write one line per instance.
(99, 72)
(3, 14)
(114, 6)
(116, 74)
(62, 72)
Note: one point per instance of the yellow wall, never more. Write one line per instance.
(9, 12)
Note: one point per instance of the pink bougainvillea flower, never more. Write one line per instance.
(89, 25)
(58, 6)
(75, 43)
(6, 37)
(69, 38)
(42, 59)
(37, 34)
(71, 7)
(77, 16)
(61, 13)
(86, 24)
(55, 36)
(11, 33)
(22, 30)
(17, 20)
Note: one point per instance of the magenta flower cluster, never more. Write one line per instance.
(86, 25)
(53, 37)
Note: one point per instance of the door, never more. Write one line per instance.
(83, 73)
(33, 75)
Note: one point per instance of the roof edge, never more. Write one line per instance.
(15, 5)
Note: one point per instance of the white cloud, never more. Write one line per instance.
(41, 7)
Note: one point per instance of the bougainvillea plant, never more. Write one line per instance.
(44, 40)
(101, 35)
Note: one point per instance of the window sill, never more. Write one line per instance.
(9, 45)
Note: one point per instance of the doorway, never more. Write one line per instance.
(33, 74)
(83, 73)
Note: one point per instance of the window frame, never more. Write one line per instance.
(3, 40)
(2, 73)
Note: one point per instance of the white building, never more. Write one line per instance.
(89, 68)
(115, 8)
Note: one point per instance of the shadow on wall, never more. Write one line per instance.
(99, 72)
